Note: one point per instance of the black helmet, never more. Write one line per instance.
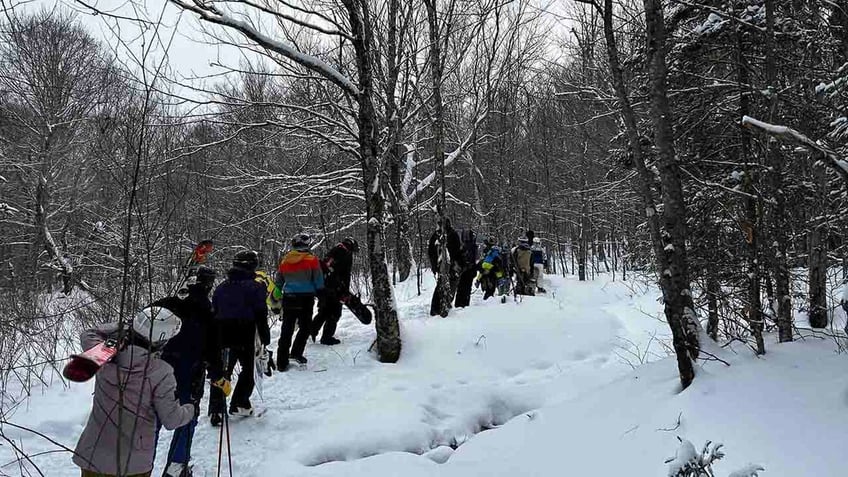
(301, 241)
(247, 260)
(205, 275)
(351, 244)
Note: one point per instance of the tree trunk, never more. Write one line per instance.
(750, 227)
(443, 282)
(777, 228)
(674, 277)
(388, 330)
(818, 258)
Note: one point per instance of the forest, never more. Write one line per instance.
(701, 145)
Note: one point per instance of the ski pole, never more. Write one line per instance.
(229, 452)
(220, 448)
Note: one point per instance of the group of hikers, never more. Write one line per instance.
(173, 346)
(178, 342)
(493, 267)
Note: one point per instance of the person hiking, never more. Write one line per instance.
(469, 252)
(300, 280)
(491, 272)
(456, 262)
(240, 313)
(337, 267)
(134, 393)
(523, 267)
(539, 259)
(188, 354)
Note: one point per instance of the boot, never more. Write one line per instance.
(177, 469)
(332, 340)
(241, 411)
(300, 359)
(215, 419)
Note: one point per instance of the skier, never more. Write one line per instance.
(240, 313)
(454, 256)
(188, 353)
(491, 272)
(469, 268)
(523, 267)
(133, 394)
(300, 280)
(539, 260)
(337, 267)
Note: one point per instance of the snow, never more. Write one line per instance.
(542, 386)
(712, 24)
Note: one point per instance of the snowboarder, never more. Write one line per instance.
(522, 262)
(240, 313)
(133, 394)
(300, 280)
(469, 268)
(337, 267)
(455, 257)
(491, 272)
(539, 258)
(188, 353)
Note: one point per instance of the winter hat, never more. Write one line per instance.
(156, 324)
(351, 244)
(246, 260)
(301, 242)
(205, 275)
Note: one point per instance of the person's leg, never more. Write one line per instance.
(304, 323)
(333, 313)
(321, 317)
(245, 383)
(463, 292)
(289, 321)
(180, 451)
(437, 297)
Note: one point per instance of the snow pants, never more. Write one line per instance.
(463, 289)
(190, 376)
(539, 275)
(297, 310)
(329, 312)
(245, 356)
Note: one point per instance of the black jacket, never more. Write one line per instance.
(196, 338)
(241, 310)
(337, 266)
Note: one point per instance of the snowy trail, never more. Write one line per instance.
(473, 371)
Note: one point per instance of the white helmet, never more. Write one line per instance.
(156, 324)
(537, 240)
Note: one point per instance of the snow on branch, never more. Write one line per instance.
(833, 159)
(212, 14)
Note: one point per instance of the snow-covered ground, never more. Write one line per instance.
(541, 387)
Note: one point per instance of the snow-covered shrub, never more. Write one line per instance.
(688, 462)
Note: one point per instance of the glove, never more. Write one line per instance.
(224, 385)
(476, 283)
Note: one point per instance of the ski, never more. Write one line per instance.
(83, 366)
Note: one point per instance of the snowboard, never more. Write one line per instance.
(360, 310)
(84, 366)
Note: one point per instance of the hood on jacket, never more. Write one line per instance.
(296, 256)
(238, 273)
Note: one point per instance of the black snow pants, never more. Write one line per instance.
(244, 355)
(297, 310)
(463, 290)
(329, 312)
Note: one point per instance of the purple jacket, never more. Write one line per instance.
(148, 397)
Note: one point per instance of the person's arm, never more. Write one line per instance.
(94, 336)
(168, 409)
(317, 276)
